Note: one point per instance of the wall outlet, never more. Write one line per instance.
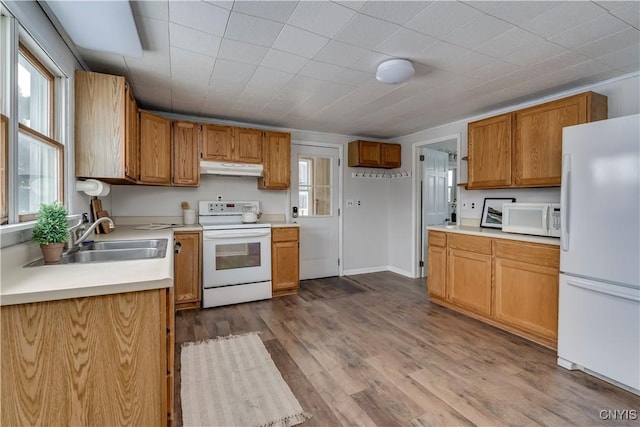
(358, 202)
(473, 205)
(350, 203)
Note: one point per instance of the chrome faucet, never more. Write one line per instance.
(77, 241)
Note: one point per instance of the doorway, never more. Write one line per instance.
(315, 194)
(435, 191)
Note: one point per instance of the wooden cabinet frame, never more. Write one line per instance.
(523, 148)
(285, 260)
(509, 284)
(374, 154)
(188, 270)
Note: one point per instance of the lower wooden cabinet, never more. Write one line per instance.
(103, 360)
(285, 260)
(437, 264)
(526, 281)
(509, 284)
(187, 270)
(469, 278)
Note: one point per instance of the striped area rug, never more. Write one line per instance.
(232, 381)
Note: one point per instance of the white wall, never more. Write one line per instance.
(623, 99)
(365, 236)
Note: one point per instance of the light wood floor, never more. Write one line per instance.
(372, 350)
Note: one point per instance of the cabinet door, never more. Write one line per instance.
(364, 153)
(187, 270)
(247, 145)
(527, 296)
(99, 126)
(277, 161)
(132, 141)
(285, 259)
(437, 271)
(216, 143)
(186, 149)
(155, 149)
(469, 280)
(489, 158)
(390, 155)
(538, 140)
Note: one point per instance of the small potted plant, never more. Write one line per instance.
(51, 231)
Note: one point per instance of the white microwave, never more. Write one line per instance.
(540, 219)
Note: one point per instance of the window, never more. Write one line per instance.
(314, 186)
(32, 153)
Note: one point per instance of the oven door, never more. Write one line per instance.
(232, 257)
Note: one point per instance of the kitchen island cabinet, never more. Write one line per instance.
(106, 128)
(285, 260)
(188, 269)
(99, 360)
(511, 284)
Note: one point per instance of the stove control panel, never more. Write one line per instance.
(227, 207)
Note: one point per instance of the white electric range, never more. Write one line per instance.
(236, 256)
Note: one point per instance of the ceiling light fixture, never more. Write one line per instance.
(106, 26)
(395, 71)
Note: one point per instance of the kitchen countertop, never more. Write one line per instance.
(494, 233)
(21, 285)
(280, 224)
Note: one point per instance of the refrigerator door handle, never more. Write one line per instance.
(564, 201)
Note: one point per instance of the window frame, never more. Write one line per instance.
(38, 65)
(19, 45)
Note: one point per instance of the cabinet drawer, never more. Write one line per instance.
(470, 243)
(437, 238)
(533, 253)
(284, 234)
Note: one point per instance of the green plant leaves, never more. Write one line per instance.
(51, 225)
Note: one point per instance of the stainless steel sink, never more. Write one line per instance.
(125, 244)
(112, 255)
(111, 251)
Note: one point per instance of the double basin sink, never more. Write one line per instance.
(113, 250)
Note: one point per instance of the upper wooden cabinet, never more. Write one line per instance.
(277, 161)
(231, 144)
(186, 154)
(155, 149)
(247, 145)
(538, 136)
(524, 148)
(374, 154)
(489, 143)
(106, 128)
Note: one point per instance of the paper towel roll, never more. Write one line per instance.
(93, 187)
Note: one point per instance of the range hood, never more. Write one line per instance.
(226, 168)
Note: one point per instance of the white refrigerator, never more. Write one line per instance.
(599, 301)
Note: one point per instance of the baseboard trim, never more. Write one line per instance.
(377, 269)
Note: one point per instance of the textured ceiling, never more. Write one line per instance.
(311, 64)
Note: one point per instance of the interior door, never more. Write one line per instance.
(314, 193)
(435, 168)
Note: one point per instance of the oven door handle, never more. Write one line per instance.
(214, 235)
